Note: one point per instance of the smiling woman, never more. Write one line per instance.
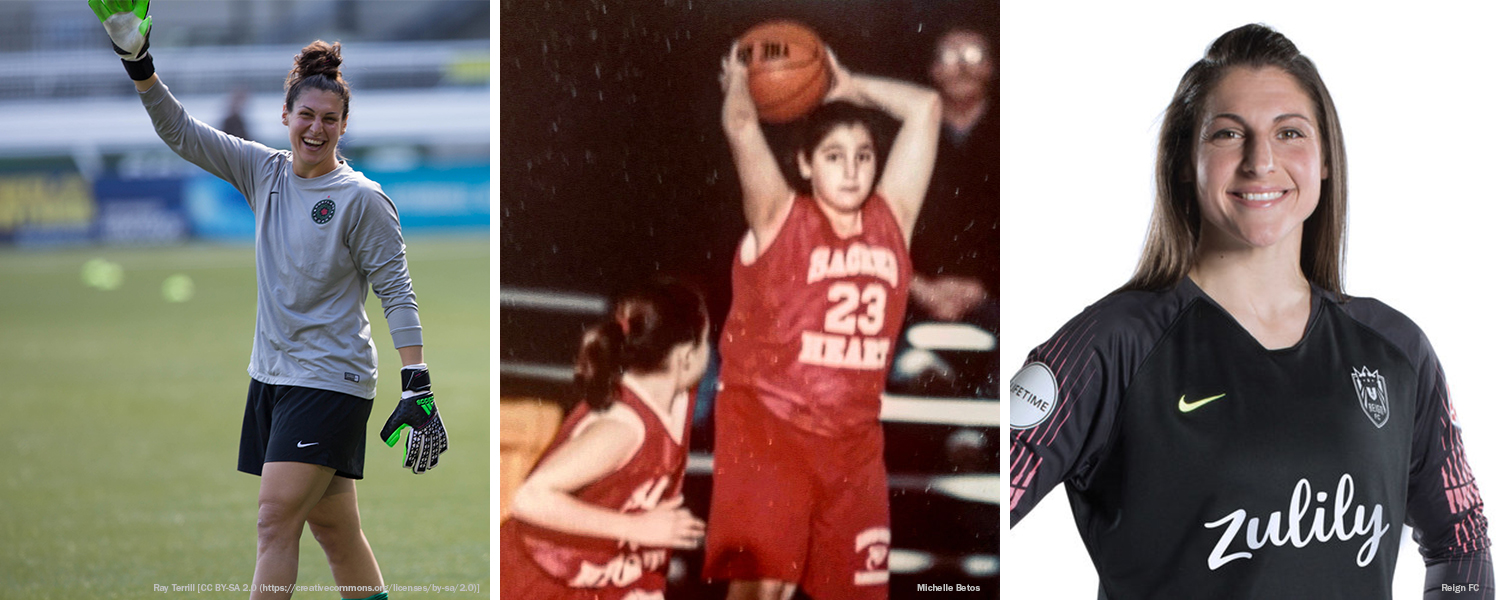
(1259, 164)
(317, 109)
(325, 236)
(1232, 372)
(1258, 173)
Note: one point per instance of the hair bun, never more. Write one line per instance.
(319, 58)
(317, 67)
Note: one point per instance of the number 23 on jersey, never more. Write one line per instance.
(856, 314)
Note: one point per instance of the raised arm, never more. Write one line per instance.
(919, 109)
(150, 82)
(767, 196)
(227, 157)
(129, 29)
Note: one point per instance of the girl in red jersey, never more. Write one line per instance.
(597, 517)
(820, 287)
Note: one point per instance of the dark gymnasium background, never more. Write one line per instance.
(612, 161)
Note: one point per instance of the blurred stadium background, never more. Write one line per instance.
(127, 290)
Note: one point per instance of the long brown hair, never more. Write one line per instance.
(1176, 224)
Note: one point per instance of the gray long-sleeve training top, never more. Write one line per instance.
(320, 245)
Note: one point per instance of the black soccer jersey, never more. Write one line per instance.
(1201, 465)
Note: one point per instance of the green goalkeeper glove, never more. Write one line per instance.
(129, 31)
(128, 26)
(418, 411)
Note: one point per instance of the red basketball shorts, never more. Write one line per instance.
(796, 506)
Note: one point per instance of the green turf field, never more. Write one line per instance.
(121, 421)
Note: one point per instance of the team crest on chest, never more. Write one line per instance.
(1369, 387)
(322, 212)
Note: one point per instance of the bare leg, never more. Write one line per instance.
(764, 589)
(288, 492)
(334, 521)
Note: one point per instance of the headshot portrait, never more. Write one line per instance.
(1227, 282)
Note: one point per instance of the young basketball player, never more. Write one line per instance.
(820, 287)
(597, 517)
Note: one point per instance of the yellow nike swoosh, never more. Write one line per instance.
(1187, 407)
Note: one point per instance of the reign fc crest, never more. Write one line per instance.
(1370, 388)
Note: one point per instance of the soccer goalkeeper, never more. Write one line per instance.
(324, 236)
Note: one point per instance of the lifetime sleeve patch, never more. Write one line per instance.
(1033, 396)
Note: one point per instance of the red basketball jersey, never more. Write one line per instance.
(605, 568)
(814, 320)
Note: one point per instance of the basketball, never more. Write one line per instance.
(788, 71)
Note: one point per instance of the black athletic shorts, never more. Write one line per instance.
(306, 425)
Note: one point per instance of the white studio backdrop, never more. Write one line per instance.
(1082, 90)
